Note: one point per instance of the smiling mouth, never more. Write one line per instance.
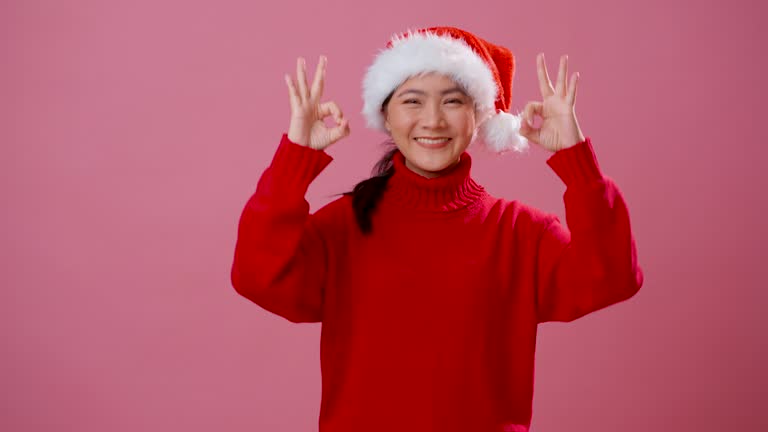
(432, 142)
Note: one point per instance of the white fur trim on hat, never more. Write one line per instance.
(500, 133)
(417, 53)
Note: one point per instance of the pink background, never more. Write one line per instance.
(133, 132)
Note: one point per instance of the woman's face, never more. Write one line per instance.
(432, 121)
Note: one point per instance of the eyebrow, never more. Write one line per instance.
(442, 93)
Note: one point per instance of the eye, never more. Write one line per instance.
(454, 101)
(411, 101)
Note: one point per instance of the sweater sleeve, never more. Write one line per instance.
(592, 263)
(280, 257)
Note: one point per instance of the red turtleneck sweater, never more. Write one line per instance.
(429, 323)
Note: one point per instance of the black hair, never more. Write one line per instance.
(367, 193)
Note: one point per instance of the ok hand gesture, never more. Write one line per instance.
(559, 128)
(307, 127)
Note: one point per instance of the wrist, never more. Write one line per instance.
(572, 140)
(297, 138)
(571, 134)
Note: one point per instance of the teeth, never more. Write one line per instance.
(432, 140)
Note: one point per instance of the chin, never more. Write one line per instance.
(433, 161)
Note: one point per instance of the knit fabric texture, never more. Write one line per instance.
(429, 323)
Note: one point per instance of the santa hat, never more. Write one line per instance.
(483, 69)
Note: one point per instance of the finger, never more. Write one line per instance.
(545, 85)
(301, 78)
(562, 75)
(317, 84)
(340, 131)
(331, 108)
(529, 132)
(571, 98)
(292, 96)
(531, 110)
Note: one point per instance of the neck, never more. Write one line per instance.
(432, 174)
(450, 189)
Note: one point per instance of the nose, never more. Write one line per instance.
(433, 116)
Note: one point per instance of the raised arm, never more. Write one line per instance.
(593, 262)
(281, 258)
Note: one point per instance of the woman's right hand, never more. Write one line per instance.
(307, 127)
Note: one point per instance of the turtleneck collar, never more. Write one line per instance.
(451, 191)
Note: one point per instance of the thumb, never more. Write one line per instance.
(531, 110)
(526, 121)
(528, 131)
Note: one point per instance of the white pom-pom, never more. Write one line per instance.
(501, 133)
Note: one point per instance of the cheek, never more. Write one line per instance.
(400, 123)
(466, 121)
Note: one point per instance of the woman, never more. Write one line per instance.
(429, 289)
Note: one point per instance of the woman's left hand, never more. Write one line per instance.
(559, 128)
